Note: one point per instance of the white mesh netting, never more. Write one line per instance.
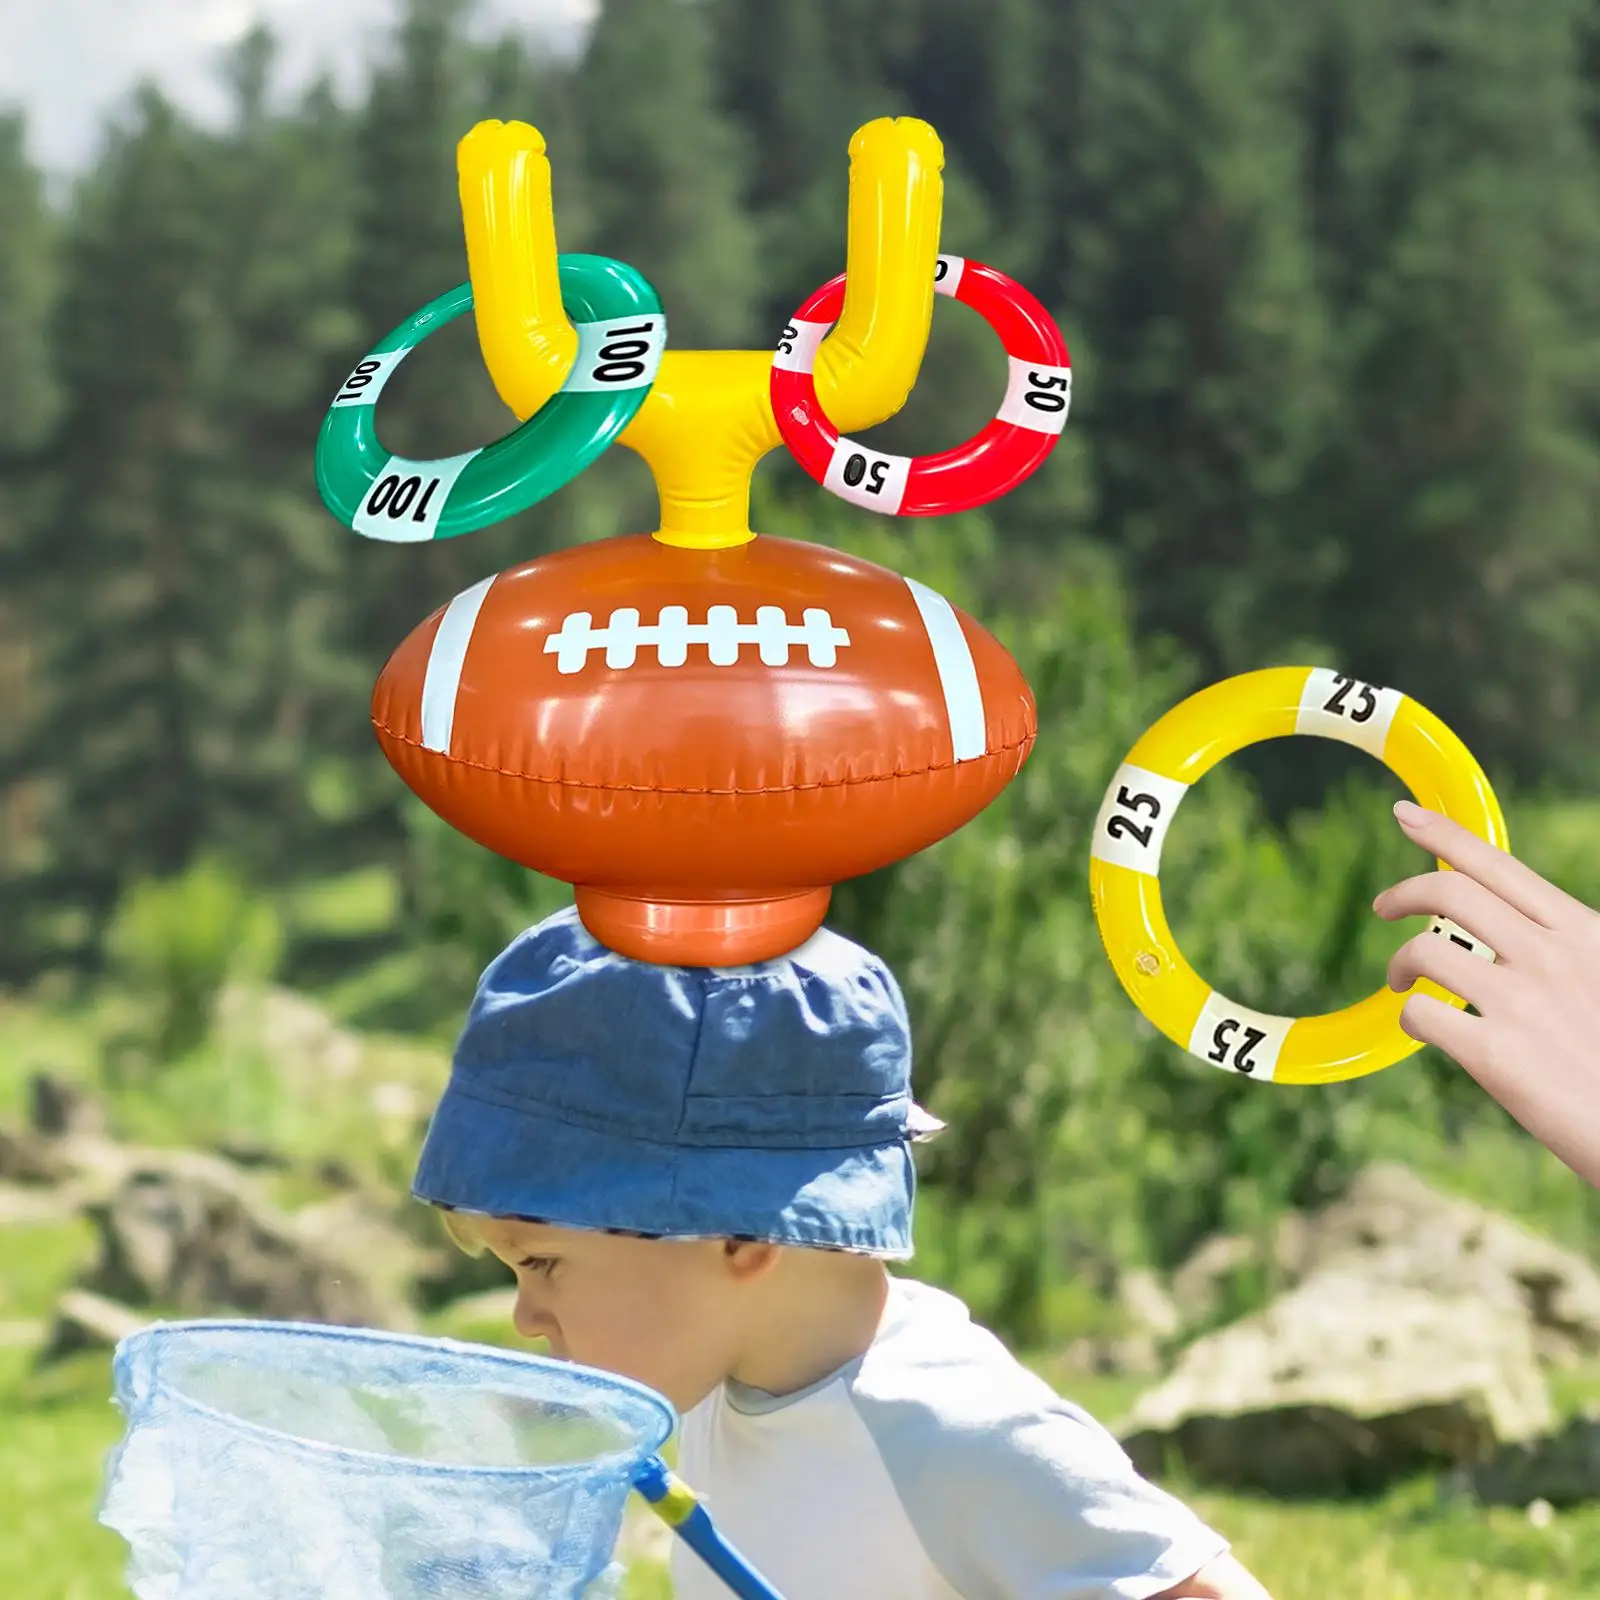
(280, 1461)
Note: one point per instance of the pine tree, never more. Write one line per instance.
(662, 165)
(127, 612)
(29, 396)
(1206, 392)
(1459, 207)
(410, 248)
(988, 78)
(801, 80)
(185, 582)
(283, 198)
(1002, 83)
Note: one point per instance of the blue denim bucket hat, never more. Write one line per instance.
(767, 1102)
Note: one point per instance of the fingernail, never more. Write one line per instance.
(1409, 814)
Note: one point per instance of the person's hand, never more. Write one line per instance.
(1535, 1043)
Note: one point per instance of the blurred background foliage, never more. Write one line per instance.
(1330, 274)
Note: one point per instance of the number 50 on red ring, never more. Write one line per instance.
(1125, 862)
(1023, 432)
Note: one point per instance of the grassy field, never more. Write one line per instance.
(55, 1428)
(1412, 1545)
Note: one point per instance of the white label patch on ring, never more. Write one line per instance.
(1333, 705)
(867, 477)
(958, 675)
(622, 353)
(1134, 817)
(364, 385)
(1037, 396)
(446, 657)
(797, 349)
(1237, 1039)
(1456, 934)
(947, 272)
(405, 503)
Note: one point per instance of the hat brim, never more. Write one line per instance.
(513, 1161)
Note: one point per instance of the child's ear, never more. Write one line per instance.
(749, 1259)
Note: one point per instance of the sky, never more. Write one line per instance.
(69, 64)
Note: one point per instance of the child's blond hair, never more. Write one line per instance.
(463, 1235)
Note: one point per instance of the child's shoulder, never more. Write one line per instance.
(1009, 1484)
(934, 1374)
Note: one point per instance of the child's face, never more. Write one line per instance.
(663, 1312)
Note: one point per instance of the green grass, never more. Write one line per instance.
(1410, 1545)
(55, 1428)
(36, 1037)
(51, 1452)
(1407, 1547)
(356, 905)
(230, 1091)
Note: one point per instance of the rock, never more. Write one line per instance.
(29, 1206)
(1342, 1386)
(97, 1165)
(1559, 1469)
(186, 1233)
(1404, 1232)
(86, 1321)
(1148, 1307)
(253, 1156)
(59, 1109)
(1128, 1355)
(288, 1029)
(1145, 1319)
(1198, 1286)
(1394, 1229)
(29, 1157)
(364, 1234)
(333, 1173)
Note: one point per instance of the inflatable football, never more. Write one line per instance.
(703, 742)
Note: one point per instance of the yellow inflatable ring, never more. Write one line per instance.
(1125, 860)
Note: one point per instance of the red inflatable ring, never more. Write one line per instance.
(991, 463)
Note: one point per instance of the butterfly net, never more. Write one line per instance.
(280, 1461)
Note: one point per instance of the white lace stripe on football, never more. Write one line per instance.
(958, 674)
(722, 635)
(445, 659)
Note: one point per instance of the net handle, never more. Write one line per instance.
(679, 1507)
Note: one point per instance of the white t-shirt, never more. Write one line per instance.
(933, 1467)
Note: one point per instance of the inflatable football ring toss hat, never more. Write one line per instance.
(1125, 860)
(994, 461)
(621, 335)
(703, 742)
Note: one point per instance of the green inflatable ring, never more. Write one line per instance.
(621, 334)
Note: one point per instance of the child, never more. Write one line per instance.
(697, 1176)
